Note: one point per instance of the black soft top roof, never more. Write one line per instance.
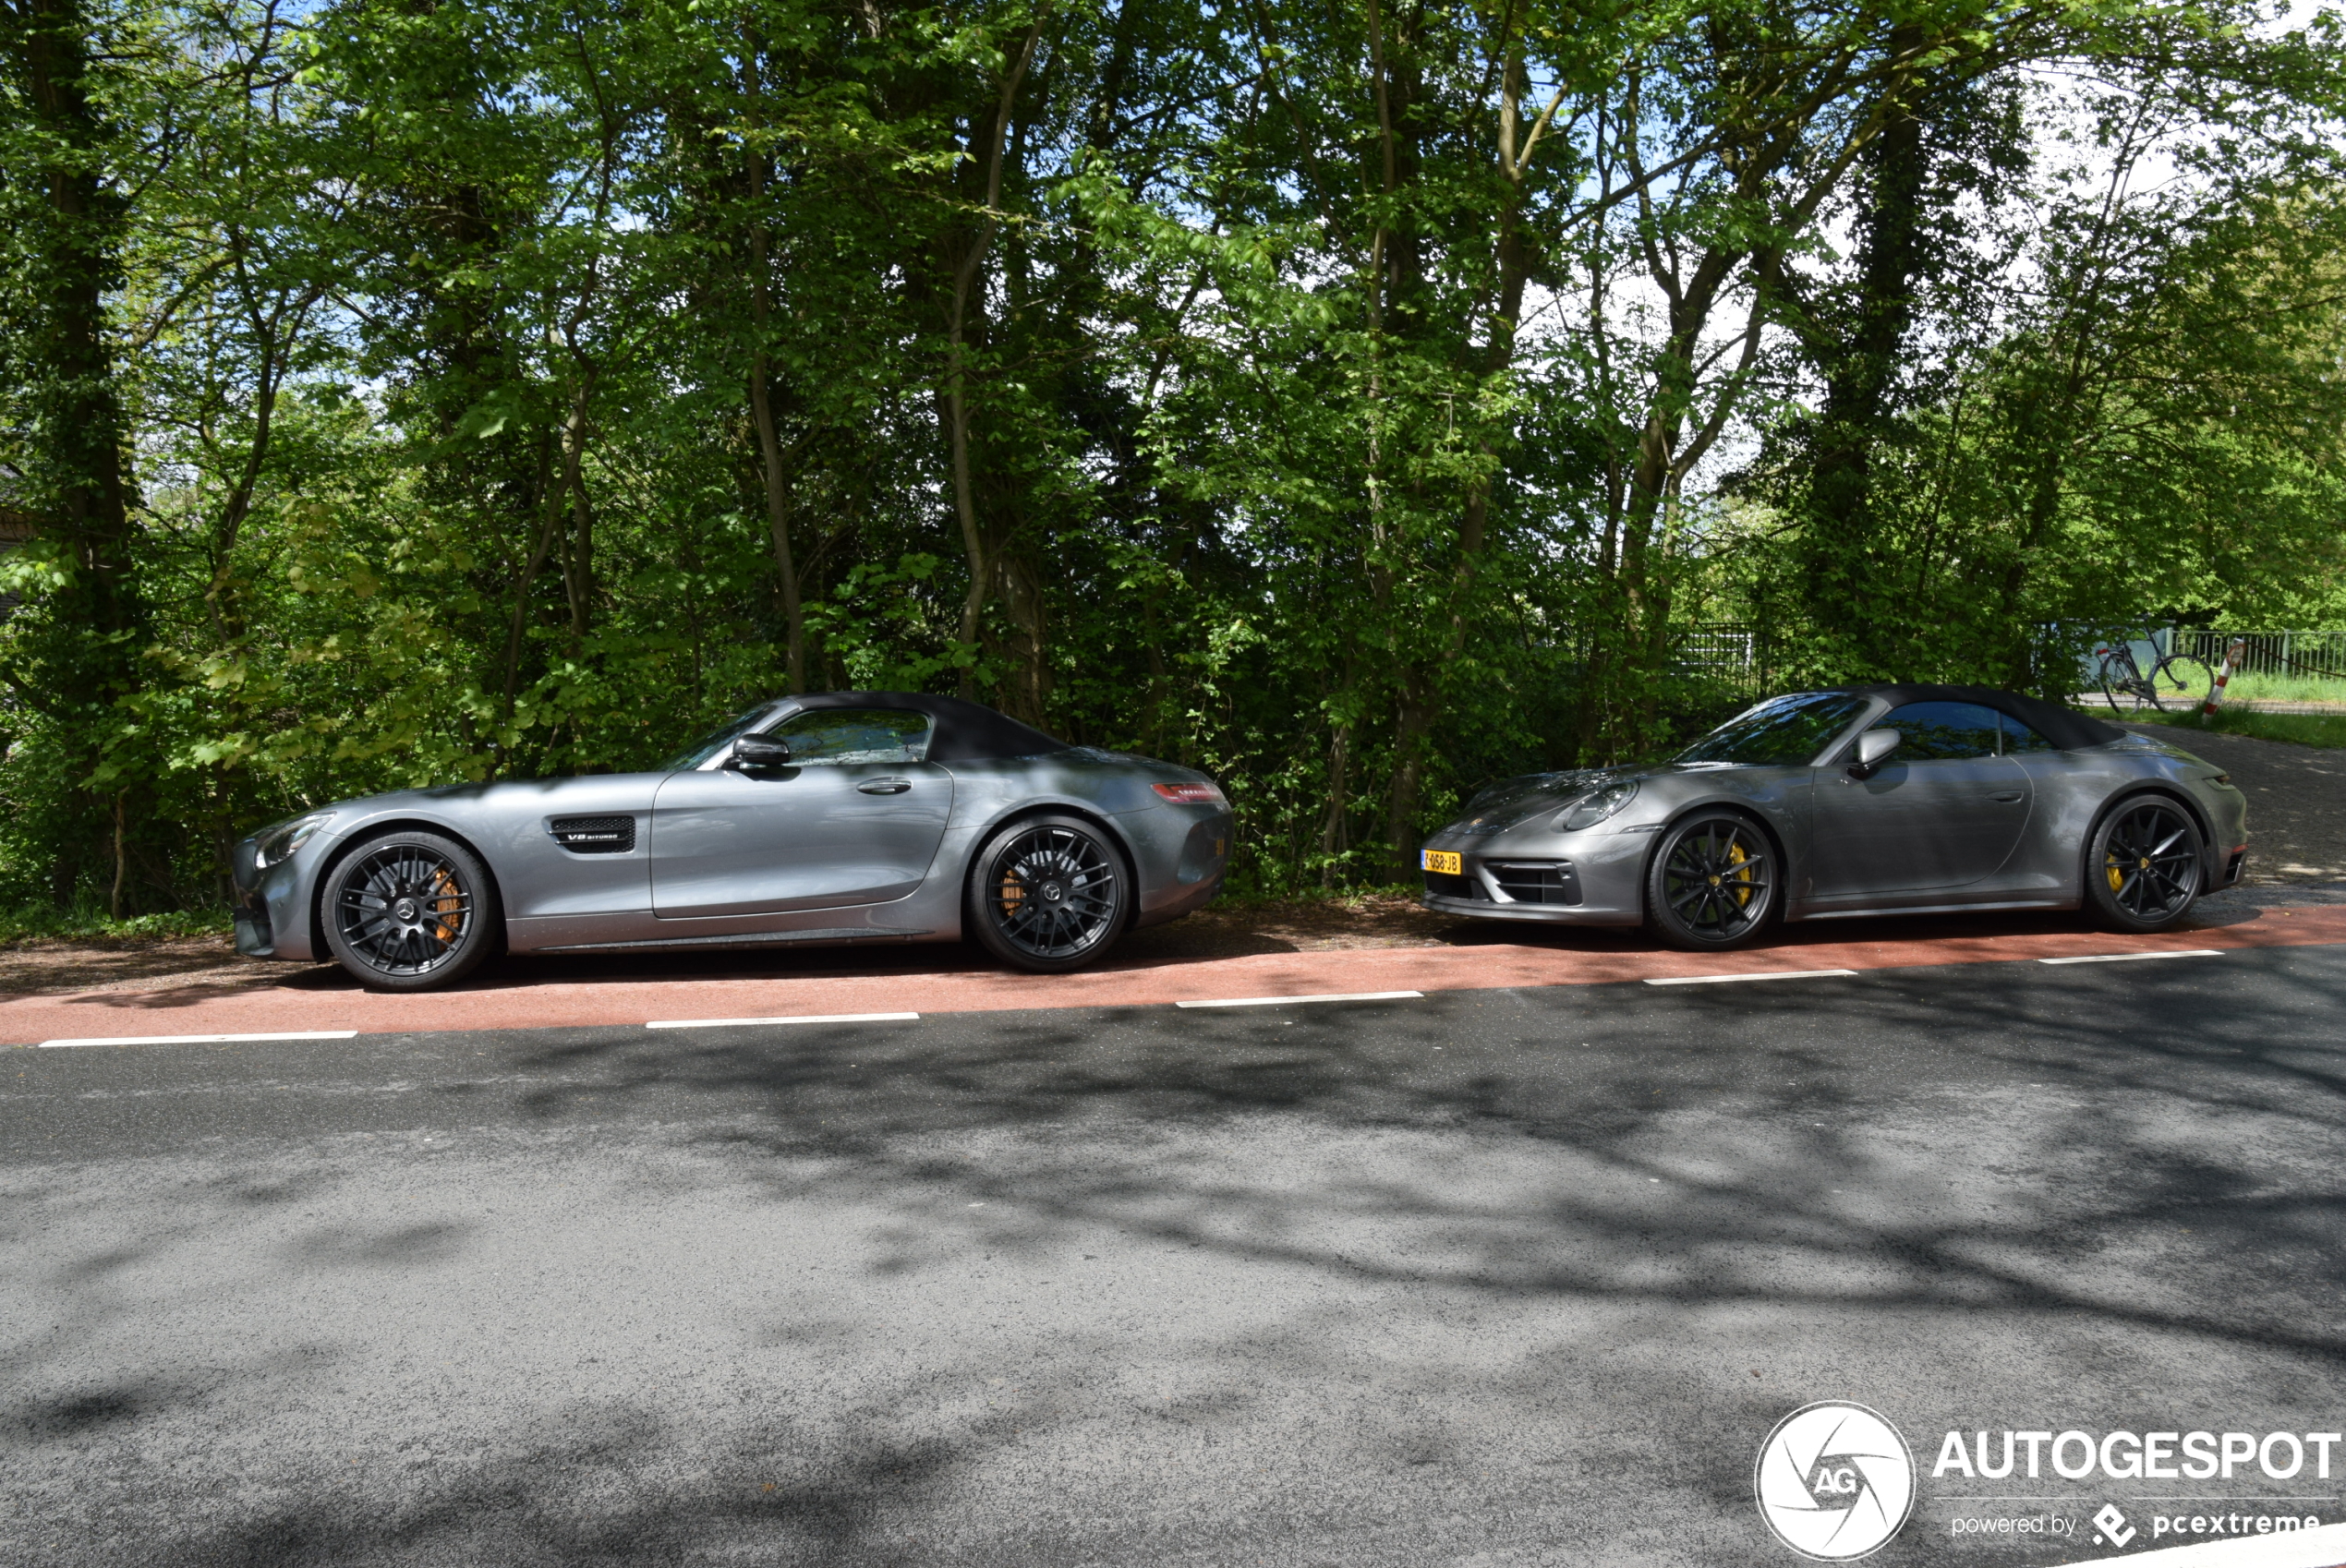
(2069, 730)
(965, 731)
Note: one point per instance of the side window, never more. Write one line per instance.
(855, 734)
(1943, 732)
(2020, 738)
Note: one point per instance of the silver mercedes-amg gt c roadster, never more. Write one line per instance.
(1870, 800)
(855, 817)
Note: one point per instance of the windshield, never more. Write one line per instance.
(715, 740)
(1782, 732)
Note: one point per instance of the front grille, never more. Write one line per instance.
(1444, 885)
(594, 834)
(1537, 882)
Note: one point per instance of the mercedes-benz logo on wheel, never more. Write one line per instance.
(1835, 1480)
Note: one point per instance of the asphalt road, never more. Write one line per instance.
(1494, 1277)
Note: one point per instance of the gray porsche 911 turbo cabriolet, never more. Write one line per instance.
(855, 817)
(1870, 800)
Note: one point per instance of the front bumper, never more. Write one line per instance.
(271, 908)
(1530, 914)
(1589, 878)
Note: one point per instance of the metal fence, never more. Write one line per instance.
(2318, 654)
(1731, 659)
(1736, 658)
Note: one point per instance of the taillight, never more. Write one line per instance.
(1191, 795)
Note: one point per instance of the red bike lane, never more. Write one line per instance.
(275, 1000)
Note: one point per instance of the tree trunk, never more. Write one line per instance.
(84, 653)
(1844, 585)
(962, 310)
(761, 405)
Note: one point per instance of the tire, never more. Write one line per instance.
(2120, 676)
(1048, 895)
(2181, 684)
(410, 911)
(2144, 867)
(1713, 882)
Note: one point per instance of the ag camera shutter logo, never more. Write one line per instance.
(1834, 1481)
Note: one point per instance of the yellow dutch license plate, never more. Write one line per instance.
(1447, 861)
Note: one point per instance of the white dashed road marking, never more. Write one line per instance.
(1283, 1001)
(2129, 958)
(203, 1039)
(810, 1018)
(1771, 974)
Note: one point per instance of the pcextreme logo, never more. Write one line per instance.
(1835, 1480)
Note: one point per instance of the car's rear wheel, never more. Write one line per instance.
(410, 911)
(1712, 884)
(1048, 895)
(2144, 869)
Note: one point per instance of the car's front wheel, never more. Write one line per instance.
(1048, 895)
(2143, 870)
(1712, 883)
(410, 911)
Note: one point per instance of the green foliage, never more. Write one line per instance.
(1361, 404)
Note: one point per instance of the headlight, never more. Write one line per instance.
(277, 844)
(1595, 806)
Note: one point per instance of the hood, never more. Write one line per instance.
(1513, 800)
(2162, 747)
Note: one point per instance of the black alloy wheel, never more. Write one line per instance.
(2144, 872)
(1712, 883)
(1048, 895)
(410, 911)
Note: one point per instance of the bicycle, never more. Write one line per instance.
(2176, 683)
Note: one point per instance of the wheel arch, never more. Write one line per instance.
(2149, 789)
(368, 833)
(1027, 810)
(1731, 807)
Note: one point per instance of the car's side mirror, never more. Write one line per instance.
(759, 751)
(1873, 749)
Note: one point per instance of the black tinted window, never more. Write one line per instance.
(1785, 733)
(855, 734)
(2019, 738)
(1943, 732)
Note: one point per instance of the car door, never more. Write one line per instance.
(855, 818)
(1944, 813)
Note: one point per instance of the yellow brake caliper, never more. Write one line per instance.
(1011, 891)
(2117, 873)
(1742, 878)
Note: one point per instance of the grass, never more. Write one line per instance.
(2255, 688)
(44, 922)
(2303, 729)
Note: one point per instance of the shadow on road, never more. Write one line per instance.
(2137, 1161)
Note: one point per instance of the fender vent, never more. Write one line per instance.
(594, 834)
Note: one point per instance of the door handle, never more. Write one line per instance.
(884, 786)
(2007, 797)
